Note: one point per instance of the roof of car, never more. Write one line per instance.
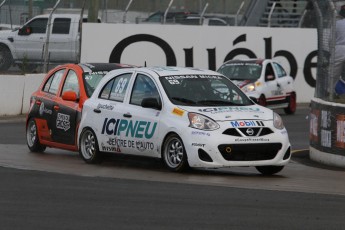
(172, 70)
(104, 67)
(251, 60)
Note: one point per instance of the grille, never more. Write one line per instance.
(249, 152)
(255, 132)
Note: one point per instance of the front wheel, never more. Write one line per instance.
(269, 170)
(174, 154)
(88, 149)
(32, 137)
(291, 109)
(262, 100)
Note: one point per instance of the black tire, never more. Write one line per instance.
(6, 59)
(262, 100)
(291, 109)
(88, 147)
(269, 170)
(174, 154)
(32, 139)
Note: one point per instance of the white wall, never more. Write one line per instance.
(15, 92)
(263, 42)
(99, 41)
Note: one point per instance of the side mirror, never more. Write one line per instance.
(151, 102)
(25, 30)
(70, 96)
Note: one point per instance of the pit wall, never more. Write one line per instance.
(327, 132)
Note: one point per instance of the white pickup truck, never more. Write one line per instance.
(26, 44)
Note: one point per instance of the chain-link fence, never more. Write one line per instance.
(326, 13)
(23, 50)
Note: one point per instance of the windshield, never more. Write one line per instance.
(241, 71)
(203, 90)
(91, 80)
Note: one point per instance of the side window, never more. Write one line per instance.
(53, 83)
(106, 90)
(143, 87)
(38, 26)
(279, 69)
(61, 25)
(269, 73)
(116, 88)
(71, 83)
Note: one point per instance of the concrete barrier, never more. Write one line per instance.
(327, 132)
(15, 92)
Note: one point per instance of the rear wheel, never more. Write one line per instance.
(269, 170)
(291, 109)
(88, 149)
(6, 59)
(174, 154)
(32, 137)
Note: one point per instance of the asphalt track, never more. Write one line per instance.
(57, 190)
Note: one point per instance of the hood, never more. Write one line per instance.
(5, 33)
(228, 113)
(242, 83)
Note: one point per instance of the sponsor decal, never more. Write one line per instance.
(325, 119)
(326, 137)
(340, 140)
(201, 133)
(144, 145)
(198, 145)
(129, 128)
(110, 149)
(230, 109)
(313, 125)
(43, 110)
(115, 144)
(63, 121)
(105, 106)
(178, 112)
(175, 80)
(246, 123)
(277, 92)
(252, 139)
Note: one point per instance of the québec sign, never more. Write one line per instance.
(203, 47)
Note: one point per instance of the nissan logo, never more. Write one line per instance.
(250, 132)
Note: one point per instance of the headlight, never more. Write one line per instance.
(277, 121)
(199, 121)
(249, 88)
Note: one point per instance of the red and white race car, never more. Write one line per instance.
(263, 80)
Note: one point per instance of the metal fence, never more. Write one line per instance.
(326, 13)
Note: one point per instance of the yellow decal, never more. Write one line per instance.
(178, 112)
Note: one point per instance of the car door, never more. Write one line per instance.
(272, 89)
(142, 131)
(108, 115)
(28, 45)
(65, 112)
(60, 42)
(46, 102)
(285, 81)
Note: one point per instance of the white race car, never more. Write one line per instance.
(263, 80)
(187, 117)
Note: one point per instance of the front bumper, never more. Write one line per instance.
(217, 150)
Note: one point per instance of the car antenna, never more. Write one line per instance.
(145, 64)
